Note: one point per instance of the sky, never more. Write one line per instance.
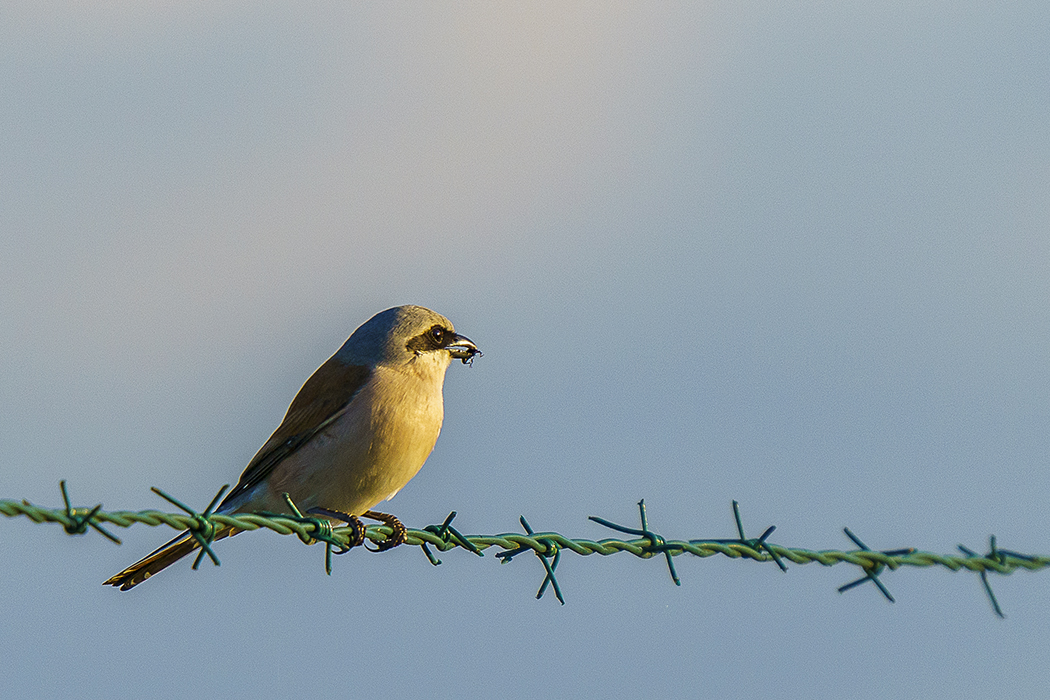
(796, 255)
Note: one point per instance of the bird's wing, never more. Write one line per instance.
(319, 401)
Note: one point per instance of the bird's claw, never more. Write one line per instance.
(398, 535)
(358, 528)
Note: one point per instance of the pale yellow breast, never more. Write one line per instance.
(373, 448)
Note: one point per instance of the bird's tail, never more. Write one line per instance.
(160, 559)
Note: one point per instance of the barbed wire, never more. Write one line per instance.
(547, 546)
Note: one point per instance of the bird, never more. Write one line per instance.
(356, 432)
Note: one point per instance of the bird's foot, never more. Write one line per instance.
(396, 537)
(357, 528)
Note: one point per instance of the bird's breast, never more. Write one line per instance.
(373, 447)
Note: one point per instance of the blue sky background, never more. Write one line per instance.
(792, 254)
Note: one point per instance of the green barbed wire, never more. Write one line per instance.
(547, 546)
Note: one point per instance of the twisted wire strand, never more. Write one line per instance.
(1003, 562)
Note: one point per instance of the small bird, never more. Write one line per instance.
(358, 430)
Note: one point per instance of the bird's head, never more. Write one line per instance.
(400, 335)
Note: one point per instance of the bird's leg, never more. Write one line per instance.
(396, 537)
(357, 527)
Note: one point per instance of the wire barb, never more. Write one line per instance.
(549, 549)
(873, 569)
(447, 535)
(999, 557)
(78, 523)
(201, 526)
(656, 544)
(758, 544)
(321, 529)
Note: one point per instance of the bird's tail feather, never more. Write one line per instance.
(161, 558)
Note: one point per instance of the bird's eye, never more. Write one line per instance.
(438, 334)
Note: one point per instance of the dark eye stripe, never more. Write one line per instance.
(433, 339)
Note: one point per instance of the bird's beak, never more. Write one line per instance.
(463, 348)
